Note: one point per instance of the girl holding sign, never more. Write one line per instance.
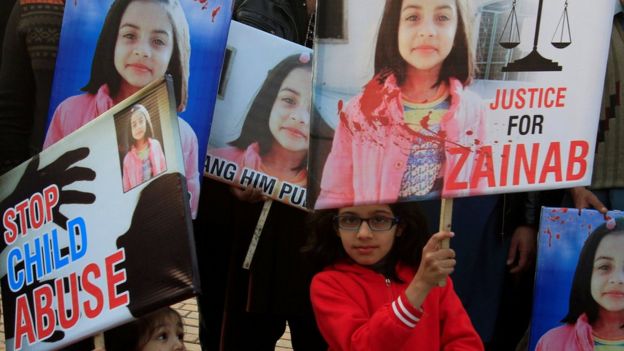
(145, 158)
(140, 41)
(379, 289)
(397, 140)
(595, 319)
(274, 137)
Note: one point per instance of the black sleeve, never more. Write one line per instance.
(17, 95)
(276, 17)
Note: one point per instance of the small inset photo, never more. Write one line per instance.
(139, 140)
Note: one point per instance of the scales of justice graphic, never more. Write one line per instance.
(534, 61)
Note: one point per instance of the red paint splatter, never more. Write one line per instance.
(340, 105)
(424, 122)
(549, 233)
(215, 12)
(555, 218)
(477, 142)
(564, 210)
(469, 132)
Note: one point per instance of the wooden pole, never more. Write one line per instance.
(446, 216)
(256, 235)
(98, 341)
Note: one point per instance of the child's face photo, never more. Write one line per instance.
(364, 246)
(607, 282)
(168, 336)
(144, 43)
(427, 32)
(138, 125)
(290, 115)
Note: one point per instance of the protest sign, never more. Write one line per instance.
(412, 122)
(109, 48)
(260, 131)
(91, 237)
(575, 257)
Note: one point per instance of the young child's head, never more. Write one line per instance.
(140, 41)
(425, 35)
(391, 234)
(161, 330)
(598, 283)
(140, 124)
(280, 112)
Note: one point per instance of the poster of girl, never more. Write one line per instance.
(268, 135)
(391, 140)
(145, 158)
(426, 98)
(138, 41)
(593, 312)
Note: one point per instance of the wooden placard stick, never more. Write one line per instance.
(98, 341)
(446, 215)
(256, 235)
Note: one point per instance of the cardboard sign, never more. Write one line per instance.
(563, 234)
(261, 125)
(410, 123)
(107, 45)
(96, 230)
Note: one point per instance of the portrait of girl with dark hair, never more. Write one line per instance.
(595, 317)
(140, 41)
(276, 128)
(145, 159)
(392, 140)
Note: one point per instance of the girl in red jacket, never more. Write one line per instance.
(379, 287)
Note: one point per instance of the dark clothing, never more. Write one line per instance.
(248, 309)
(28, 59)
(287, 19)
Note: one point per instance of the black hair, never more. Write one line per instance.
(103, 69)
(581, 300)
(458, 64)
(324, 246)
(135, 335)
(256, 125)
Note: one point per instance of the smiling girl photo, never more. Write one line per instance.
(111, 49)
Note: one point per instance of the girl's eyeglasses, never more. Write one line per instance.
(352, 223)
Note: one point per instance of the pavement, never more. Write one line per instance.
(190, 317)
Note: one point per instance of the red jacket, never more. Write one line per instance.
(359, 309)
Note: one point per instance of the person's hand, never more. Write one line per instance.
(522, 249)
(436, 263)
(584, 198)
(251, 195)
(435, 266)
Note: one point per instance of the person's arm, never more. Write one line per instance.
(17, 96)
(521, 214)
(345, 324)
